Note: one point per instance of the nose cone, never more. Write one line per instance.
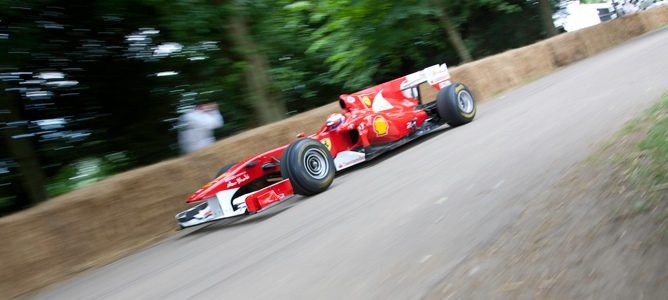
(228, 181)
(204, 192)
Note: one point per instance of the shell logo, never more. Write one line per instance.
(380, 126)
(367, 101)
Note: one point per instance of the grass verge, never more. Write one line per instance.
(645, 169)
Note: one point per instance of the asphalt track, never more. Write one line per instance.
(395, 228)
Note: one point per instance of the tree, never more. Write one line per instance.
(21, 147)
(241, 68)
(546, 12)
(266, 103)
(71, 91)
(452, 33)
(361, 43)
(359, 40)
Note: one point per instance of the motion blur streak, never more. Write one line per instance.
(384, 231)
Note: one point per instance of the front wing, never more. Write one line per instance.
(223, 206)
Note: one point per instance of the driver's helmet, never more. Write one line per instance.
(334, 120)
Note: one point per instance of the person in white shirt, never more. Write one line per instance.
(196, 127)
(629, 7)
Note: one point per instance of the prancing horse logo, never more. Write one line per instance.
(327, 142)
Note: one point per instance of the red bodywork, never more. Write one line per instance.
(375, 116)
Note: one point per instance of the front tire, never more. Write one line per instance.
(309, 166)
(455, 104)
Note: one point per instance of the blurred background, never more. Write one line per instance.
(92, 88)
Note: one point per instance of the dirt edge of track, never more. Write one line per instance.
(600, 232)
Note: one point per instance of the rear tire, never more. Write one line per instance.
(455, 104)
(309, 166)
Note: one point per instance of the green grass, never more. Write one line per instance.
(638, 153)
(655, 144)
(647, 168)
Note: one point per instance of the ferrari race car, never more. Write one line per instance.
(373, 121)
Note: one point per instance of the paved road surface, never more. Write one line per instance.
(393, 229)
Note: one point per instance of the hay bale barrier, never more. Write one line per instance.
(95, 225)
(107, 220)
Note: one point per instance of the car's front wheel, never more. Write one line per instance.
(309, 166)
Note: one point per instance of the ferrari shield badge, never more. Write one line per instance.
(327, 142)
(367, 101)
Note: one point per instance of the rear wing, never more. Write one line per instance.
(423, 84)
(436, 76)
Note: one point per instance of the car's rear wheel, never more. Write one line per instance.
(455, 104)
(309, 166)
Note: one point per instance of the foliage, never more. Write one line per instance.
(85, 171)
(106, 93)
(360, 40)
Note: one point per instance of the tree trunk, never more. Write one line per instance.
(453, 34)
(266, 104)
(22, 151)
(546, 18)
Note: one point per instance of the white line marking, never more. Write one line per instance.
(441, 200)
(425, 258)
(498, 185)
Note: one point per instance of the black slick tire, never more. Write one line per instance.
(309, 166)
(455, 104)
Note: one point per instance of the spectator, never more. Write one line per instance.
(196, 127)
(629, 7)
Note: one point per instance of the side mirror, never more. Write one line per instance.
(300, 135)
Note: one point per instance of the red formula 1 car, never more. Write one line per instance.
(373, 121)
